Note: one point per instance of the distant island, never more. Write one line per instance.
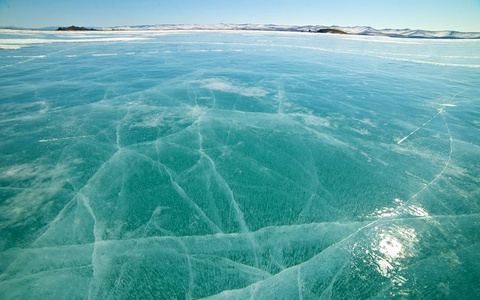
(331, 30)
(74, 28)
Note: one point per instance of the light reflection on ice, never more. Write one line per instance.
(391, 247)
(398, 207)
(417, 210)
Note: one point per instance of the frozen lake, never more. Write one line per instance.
(238, 165)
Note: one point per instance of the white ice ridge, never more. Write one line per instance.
(65, 138)
(30, 58)
(181, 192)
(21, 42)
(416, 61)
(22, 62)
(434, 116)
(429, 62)
(11, 47)
(105, 54)
(367, 53)
(444, 167)
(234, 204)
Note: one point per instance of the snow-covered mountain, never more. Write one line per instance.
(355, 30)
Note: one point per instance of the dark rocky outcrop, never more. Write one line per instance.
(74, 28)
(330, 30)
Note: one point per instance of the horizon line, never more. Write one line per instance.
(46, 28)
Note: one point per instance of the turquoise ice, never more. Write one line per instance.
(238, 165)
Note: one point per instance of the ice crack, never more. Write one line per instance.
(440, 111)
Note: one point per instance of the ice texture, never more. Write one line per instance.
(238, 165)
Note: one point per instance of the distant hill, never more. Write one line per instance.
(351, 30)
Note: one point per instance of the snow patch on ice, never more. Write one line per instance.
(221, 85)
(11, 47)
(105, 54)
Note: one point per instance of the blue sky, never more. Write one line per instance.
(462, 15)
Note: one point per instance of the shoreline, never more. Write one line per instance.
(360, 31)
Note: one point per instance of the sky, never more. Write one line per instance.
(460, 15)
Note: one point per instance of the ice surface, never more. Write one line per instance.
(238, 165)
